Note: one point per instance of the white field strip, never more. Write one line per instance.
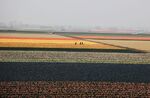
(64, 56)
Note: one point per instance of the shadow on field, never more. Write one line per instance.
(74, 50)
(74, 72)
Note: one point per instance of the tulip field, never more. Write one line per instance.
(74, 65)
(49, 41)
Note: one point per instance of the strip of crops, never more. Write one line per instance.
(42, 89)
(53, 44)
(73, 56)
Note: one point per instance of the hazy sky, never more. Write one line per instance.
(107, 13)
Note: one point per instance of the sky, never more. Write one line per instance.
(105, 13)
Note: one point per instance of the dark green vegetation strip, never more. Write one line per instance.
(69, 89)
(137, 73)
(72, 49)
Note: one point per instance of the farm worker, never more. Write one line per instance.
(80, 43)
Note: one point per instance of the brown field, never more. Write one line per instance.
(139, 45)
(43, 89)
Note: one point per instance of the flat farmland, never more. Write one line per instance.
(73, 56)
(73, 74)
(139, 42)
(70, 89)
(138, 38)
(77, 80)
(48, 71)
(47, 40)
(139, 45)
(52, 43)
(29, 35)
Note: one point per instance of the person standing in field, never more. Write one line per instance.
(75, 43)
(81, 43)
